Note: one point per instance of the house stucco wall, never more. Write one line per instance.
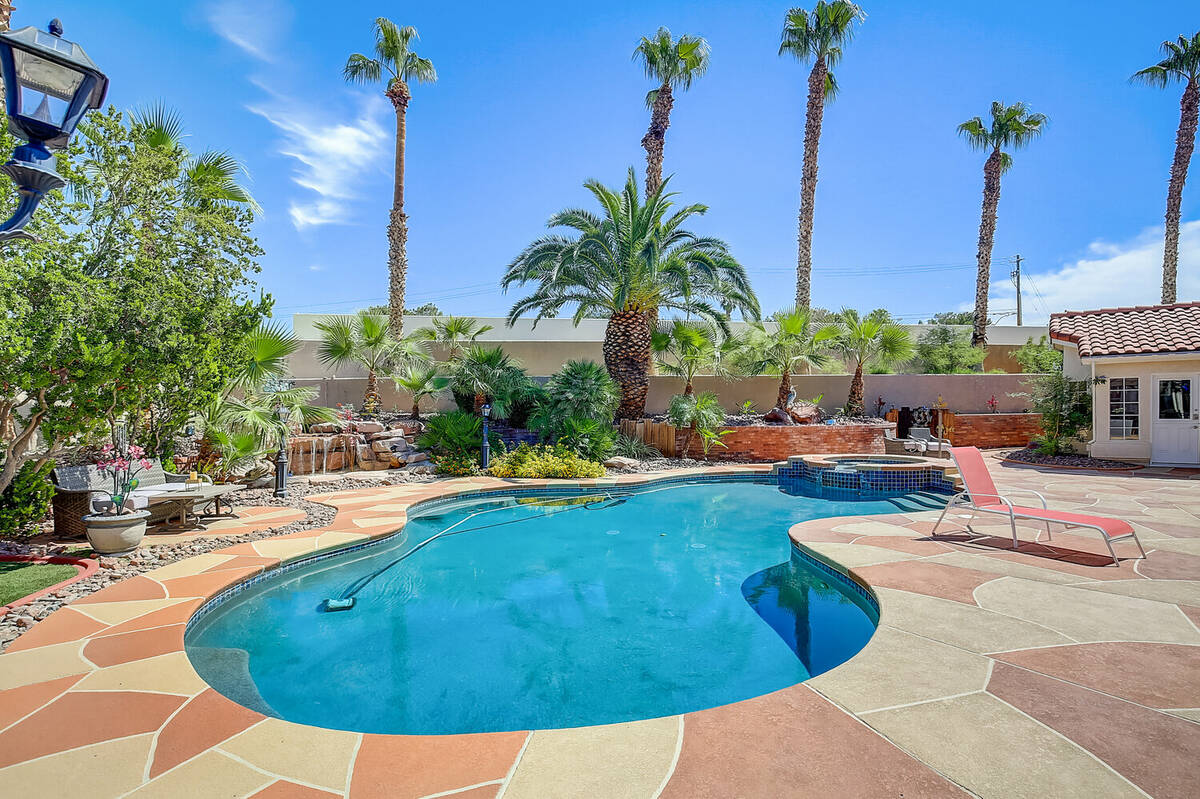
(1145, 368)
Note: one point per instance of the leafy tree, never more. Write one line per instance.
(395, 63)
(862, 340)
(797, 343)
(946, 350)
(428, 309)
(674, 64)
(362, 340)
(133, 303)
(954, 318)
(420, 382)
(1039, 357)
(685, 349)
(624, 264)
(818, 37)
(1012, 126)
(1181, 64)
(1066, 409)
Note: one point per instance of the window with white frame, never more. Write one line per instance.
(1123, 417)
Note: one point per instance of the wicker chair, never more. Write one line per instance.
(78, 487)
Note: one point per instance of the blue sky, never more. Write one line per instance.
(535, 97)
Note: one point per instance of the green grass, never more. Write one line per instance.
(22, 579)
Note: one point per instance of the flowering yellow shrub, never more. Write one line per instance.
(544, 461)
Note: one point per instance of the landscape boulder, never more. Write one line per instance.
(620, 463)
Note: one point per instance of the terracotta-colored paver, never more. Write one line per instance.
(78, 719)
(205, 721)
(402, 766)
(139, 587)
(177, 613)
(1155, 675)
(793, 743)
(65, 625)
(208, 583)
(282, 789)
(18, 702)
(1170, 566)
(110, 650)
(1155, 751)
(931, 579)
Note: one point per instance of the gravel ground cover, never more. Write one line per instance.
(1033, 457)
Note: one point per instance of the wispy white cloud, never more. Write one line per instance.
(333, 157)
(257, 27)
(316, 268)
(1112, 274)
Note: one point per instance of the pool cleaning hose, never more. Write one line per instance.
(347, 600)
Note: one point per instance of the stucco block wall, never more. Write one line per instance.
(777, 443)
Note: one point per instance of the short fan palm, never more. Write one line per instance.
(364, 341)
(624, 263)
(869, 339)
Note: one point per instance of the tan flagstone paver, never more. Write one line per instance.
(298, 752)
(929, 680)
(996, 750)
(579, 761)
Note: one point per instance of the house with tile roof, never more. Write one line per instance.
(1147, 361)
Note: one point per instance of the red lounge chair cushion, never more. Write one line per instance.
(1113, 528)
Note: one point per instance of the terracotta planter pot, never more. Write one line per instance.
(116, 535)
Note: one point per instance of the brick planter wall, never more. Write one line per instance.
(993, 429)
(777, 442)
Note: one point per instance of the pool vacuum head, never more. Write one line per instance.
(339, 604)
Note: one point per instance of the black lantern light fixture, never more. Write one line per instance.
(486, 455)
(49, 84)
(281, 457)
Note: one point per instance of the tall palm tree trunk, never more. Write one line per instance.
(785, 388)
(854, 403)
(371, 398)
(1185, 142)
(627, 359)
(397, 232)
(656, 137)
(987, 235)
(808, 181)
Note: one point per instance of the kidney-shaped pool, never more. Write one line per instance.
(547, 609)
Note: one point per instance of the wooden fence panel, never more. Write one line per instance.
(659, 435)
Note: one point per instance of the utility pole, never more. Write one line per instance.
(1016, 279)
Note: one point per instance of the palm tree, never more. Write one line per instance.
(362, 340)
(1182, 63)
(797, 342)
(1012, 126)
(396, 64)
(624, 263)
(674, 64)
(420, 382)
(488, 374)
(868, 339)
(453, 333)
(685, 349)
(817, 36)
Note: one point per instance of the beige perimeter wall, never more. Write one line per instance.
(961, 393)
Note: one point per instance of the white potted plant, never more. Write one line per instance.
(119, 528)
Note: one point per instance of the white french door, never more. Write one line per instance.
(1176, 420)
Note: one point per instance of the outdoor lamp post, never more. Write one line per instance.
(281, 457)
(486, 455)
(49, 83)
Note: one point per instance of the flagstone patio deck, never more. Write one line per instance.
(1040, 672)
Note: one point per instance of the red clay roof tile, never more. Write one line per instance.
(1130, 331)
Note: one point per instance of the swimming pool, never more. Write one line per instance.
(547, 609)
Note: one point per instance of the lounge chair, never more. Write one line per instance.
(931, 443)
(981, 496)
(900, 446)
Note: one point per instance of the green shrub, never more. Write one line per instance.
(543, 461)
(580, 390)
(1066, 409)
(1038, 357)
(458, 434)
(587, 438)
(696, 412)
(523, 401)
(631, 447)
(457, 465)
(945, 350)
(25, 502)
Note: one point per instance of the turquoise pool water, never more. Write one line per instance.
(542, 612)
